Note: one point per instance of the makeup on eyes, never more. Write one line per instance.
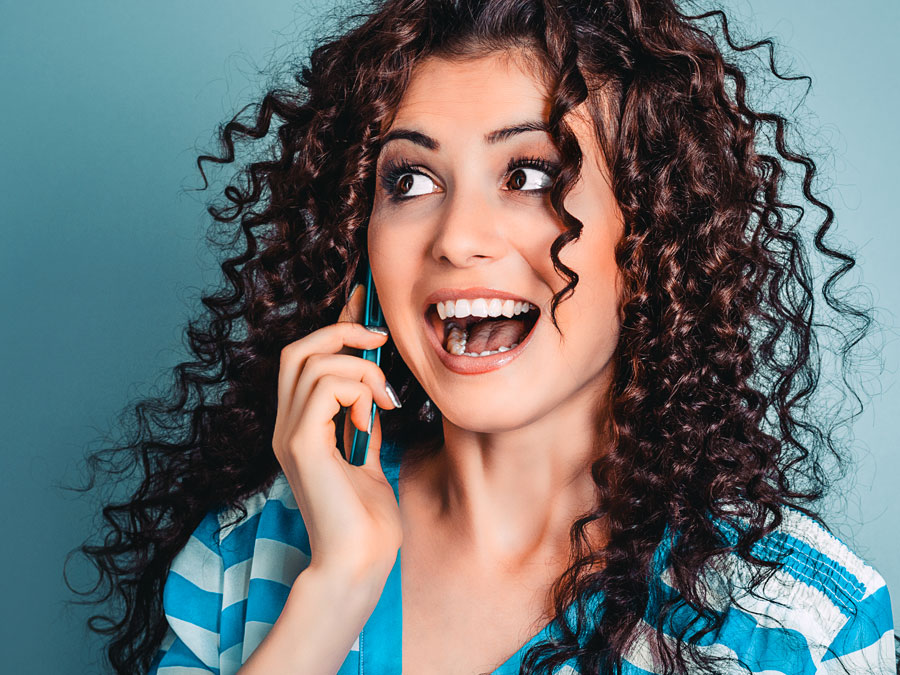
(394, 169)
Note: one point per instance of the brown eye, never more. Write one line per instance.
(518, 178)
(539, 177)
(403, 186)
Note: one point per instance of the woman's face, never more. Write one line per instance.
(469, 219)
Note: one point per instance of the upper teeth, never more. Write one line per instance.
(482, 307)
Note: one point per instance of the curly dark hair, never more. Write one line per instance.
(711, 409)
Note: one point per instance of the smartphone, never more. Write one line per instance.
(372, 317)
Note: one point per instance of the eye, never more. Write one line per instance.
(519, 179)
(401, 180)
(413, 185)
(525, 174)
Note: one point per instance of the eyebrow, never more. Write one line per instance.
(495, 136)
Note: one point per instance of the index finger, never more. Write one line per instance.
(330, 339)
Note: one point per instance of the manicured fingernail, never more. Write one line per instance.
(381, 330)
(392, 395)
(371, 422)
(353, 290)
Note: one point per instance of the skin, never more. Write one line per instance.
(514, 472)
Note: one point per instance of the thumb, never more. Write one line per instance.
(373, 457)
(355, 308)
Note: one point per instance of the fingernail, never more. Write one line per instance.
(381, 330)
(371, 423)
(353, 290)
(392, 395)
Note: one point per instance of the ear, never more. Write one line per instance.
(355, 307)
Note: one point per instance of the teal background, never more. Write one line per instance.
(105, 106)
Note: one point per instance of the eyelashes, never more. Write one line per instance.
(393, 170)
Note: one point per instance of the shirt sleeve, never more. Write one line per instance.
(192, 601)
(865, 642)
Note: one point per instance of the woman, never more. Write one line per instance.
(593, 451)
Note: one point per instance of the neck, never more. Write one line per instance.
(510, 498)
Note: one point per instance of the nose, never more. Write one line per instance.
(471, 230)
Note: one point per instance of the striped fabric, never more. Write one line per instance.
(825, 612)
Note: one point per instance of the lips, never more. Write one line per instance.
(470, 365)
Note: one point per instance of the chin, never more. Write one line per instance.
(486, 419)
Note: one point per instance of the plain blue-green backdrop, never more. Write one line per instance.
(106, 104)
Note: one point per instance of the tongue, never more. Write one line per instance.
(491, 334)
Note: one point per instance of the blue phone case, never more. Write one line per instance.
(372, 317)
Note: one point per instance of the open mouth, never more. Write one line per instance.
(478, 336)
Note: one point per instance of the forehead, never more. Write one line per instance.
(483, 91)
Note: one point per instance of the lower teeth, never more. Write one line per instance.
(489, 353)
(456, 344)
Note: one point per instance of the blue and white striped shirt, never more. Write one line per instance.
(825, 611)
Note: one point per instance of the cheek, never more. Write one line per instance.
(592, 255)
(593, 311)
(395, 258)
(387, 270)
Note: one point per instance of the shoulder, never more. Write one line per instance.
(236, 534)
(207, 597)
(261, 543)
(823, 599)
(268, 523)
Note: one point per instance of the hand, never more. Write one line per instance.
(350, 512)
